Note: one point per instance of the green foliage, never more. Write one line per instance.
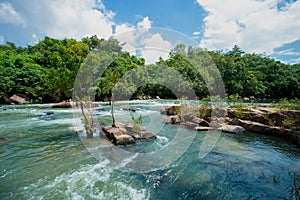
(205, 110)
(46, 71)
(287, 104)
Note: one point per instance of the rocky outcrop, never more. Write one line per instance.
(261, 128)
(127, 134)
(257, 119)
(18, 100)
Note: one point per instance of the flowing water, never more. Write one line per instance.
(42, 157)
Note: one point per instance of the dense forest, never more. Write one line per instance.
(46, 71)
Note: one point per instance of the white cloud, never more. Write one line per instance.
(155, 47)
(149, 45)
(196, 33)
(145, 23)
(255, 25)
(9, 15)
(76, 19)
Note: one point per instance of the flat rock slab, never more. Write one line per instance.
(232, 129)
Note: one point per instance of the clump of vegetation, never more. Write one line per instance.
(242, 111)
(289, 123)
(137, 123)
(287, 104)
(205, 110)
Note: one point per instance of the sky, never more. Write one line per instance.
(268, 27)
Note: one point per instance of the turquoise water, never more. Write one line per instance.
(44, 158)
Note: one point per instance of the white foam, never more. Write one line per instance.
(93, 181)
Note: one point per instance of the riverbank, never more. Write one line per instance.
(237, 119)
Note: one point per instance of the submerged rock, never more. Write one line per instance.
(49, 113)
(3, 139)
(131, 109)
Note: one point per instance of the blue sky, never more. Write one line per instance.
(270, 27)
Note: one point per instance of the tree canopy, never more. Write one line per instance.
(45, 72)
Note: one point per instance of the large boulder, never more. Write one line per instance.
(17, 99)
(277, 118)
(261, 119)
(261, 128)
(124, 139)
(147, 135)
(200, 121)
(232, 129)
(118, 136)
(127, 134)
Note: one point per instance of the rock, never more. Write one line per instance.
(118, 136)
(3, 139)
(120, 125)
(232, 129)
(200, 122)
(261, 128)
(173, 110)
(124, 139)
(18, 100)
(189, 125)
(246, 99)
(292, 113)
(201, 128)
(261, 119)
(147, 135)
(63, 104)
(131, 128)
(277, 118)
(219, 112)
(131, 109)
(49, 113)
(174, 119)
(217, 122)
(127, 134)
(188, 117)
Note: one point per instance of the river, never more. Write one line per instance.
(44, 158)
